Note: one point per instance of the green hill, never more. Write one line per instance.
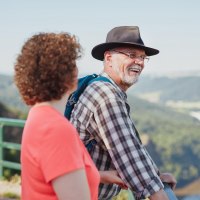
(9, 95)
(5, 112)
(175, 89)
(173, 138)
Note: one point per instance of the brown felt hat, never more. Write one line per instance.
(122, 36)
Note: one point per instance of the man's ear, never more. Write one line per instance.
(107, 58)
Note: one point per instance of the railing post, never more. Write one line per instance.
(1, 149)
(9, 145)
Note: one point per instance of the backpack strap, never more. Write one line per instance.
(82, 84)
(100, 78)
(90, 145)
(74, 97)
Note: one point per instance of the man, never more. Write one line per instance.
(102, 114)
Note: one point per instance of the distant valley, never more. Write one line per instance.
(161, 108)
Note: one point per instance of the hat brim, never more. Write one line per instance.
(99, 50)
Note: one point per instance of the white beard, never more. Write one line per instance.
(129, 80)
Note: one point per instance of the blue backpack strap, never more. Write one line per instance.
(82, 84)
(100, 78)
(89, 146)
(74, 97)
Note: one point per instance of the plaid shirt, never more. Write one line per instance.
(102, 113)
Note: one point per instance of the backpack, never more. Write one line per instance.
(74, 97)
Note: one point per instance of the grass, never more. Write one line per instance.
(10, 189)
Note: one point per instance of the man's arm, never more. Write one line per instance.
(159, 195)
(128, 155)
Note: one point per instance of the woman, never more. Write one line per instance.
(55, 163)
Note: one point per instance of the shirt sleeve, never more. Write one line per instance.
(130, 158)
(60, 151)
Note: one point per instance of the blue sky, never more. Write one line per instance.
(171, 26)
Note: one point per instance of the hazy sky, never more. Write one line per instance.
(172, 26)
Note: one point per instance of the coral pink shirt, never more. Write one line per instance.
(50, 148)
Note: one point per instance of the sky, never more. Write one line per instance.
(172, 26)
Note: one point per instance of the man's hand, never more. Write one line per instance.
(168, 178)
(112, 177)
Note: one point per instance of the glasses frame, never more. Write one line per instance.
(133, 55)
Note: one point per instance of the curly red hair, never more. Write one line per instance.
(46, 67)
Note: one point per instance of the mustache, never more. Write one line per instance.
(135, 68)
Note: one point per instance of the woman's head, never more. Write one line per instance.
(46, 67)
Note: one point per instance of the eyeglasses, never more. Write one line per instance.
(133, 56)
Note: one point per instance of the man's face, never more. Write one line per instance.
(127, 63)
